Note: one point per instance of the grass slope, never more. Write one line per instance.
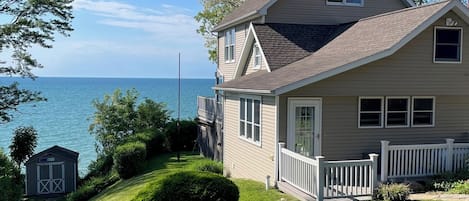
(158, 167)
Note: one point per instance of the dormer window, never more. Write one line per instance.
(345, 2)
(257, 56)
(447, 43)
(230, 39)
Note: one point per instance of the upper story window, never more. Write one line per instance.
(345, 2)
(257, 56)
(448, 46)
(250, 119)
(230, 39)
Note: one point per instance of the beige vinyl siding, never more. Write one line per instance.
(228, 68)
(317, 12)
(409, 72)
(249, 67)
(243, 159)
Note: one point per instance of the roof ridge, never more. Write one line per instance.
(405, 10)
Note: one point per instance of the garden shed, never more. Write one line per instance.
(52, 171)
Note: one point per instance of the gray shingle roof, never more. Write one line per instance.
(283, 44)
(377, 35)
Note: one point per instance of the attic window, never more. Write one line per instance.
(257, 56)
(345, 2)
(230, 38)
(447, 43)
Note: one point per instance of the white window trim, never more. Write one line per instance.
(256, 47)
(387, 112)
(244, 138)
(382, 110)
(460, 46)
(232, 34)
(433, 112)
(344, 3)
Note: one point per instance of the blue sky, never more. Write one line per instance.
(129, 38)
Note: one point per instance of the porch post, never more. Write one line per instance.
(374, 170)
(320, 178)
(449, 154)
(384, 160)
(281, 145)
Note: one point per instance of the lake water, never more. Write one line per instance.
(64, 119)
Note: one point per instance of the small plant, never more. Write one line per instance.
(461, 188)
(392, 192)
(129, 159)
(449, 180)
(208, 166)
(196, 186)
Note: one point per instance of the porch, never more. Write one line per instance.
(210, 124)
(315, 178)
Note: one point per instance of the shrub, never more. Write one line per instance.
(101, 167)
(392, 192)
(155, 142)
(447, 181)
(185, 140)
(207, 166)
(196, 186)
(11, 186)
(92, 187)
(460, 188)
(129, 159)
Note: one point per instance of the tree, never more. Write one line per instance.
(10, 184)
(23, 143)
(212, 14)
(27, 23)
(117, 117)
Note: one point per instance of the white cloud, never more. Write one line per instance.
(168, 22)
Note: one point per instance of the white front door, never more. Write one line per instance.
(50, 178)
(304, 126)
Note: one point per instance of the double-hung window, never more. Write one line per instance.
(371, 111)
(257, 56)
(447, 45)
(345, 2)
(423, 111)
(230, 39)
(397, 112)
(250, 119)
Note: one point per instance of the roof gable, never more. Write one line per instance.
(55, 149)
(366, 41)
(251, 9)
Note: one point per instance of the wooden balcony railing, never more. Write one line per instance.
(209, 110)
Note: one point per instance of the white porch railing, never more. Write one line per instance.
(327, 179)
(404, 161)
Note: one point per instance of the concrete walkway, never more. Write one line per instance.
(439, 196)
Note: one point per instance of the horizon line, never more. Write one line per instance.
(111, 77)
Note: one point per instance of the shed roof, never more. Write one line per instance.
(368, 40)
(67, 152)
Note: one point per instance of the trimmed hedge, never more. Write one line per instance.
(129, 159)
(155, 142)
(185, 140)
(194, 186)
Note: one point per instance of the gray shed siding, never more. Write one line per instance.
(70, 172)
(317, 12)
(409, 72)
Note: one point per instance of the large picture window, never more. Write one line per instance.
(448, 42)
(230, 40)
(250, 119)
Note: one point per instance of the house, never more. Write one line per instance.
(313, 90)
(52, 171)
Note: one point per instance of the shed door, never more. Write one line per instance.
(50, 178)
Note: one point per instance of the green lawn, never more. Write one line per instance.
(159, 167)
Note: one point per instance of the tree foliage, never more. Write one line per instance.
(117, 117)
(23, 143)
(211, 15)
(10, 185)
(27, 23)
